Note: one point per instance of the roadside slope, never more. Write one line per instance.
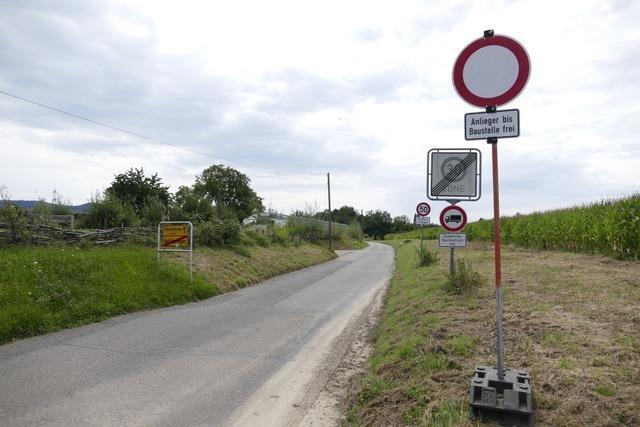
(570, 319)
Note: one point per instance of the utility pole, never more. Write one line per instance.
(361, 221)
(329, 196)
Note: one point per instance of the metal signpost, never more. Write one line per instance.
(489, 72)
(176, 236)
(422, 210)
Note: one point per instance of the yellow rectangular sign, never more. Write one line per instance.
(175, 236)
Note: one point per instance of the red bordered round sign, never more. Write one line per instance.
(453, 218)
(423, 209)
(491, 71)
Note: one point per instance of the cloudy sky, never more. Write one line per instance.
(286, 91)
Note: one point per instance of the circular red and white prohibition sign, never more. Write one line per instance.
(491, 71)
(453, 218)
(423, 209)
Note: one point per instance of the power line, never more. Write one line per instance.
(137, 135)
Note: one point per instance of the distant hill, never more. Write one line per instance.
(29, 204)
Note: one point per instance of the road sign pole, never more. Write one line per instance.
(496, 246)
(452, 265)
(421, 239)
(329, 197)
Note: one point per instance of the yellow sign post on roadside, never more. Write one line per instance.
(176, 236)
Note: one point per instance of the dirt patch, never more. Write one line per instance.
(329, 407)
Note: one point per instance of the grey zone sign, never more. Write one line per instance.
(453, 174)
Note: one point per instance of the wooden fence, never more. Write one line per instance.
(46, 235)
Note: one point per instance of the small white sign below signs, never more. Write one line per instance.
(453, 240)
(501, 124)
(421, 220)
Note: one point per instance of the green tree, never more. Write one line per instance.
(401, 224)
(343, 215)
(135, 189)
(230, 191)
(377, 224)
(108, 211)
(189, 205)
(41, 211)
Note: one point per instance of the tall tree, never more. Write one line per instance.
(377, 223)
(189, 205)
(135, 189)
(230, 191)
(344, 215)
(401, 224)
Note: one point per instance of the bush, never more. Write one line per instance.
(463, 279)
(15, 217)
(428, 257)
(108, 212)
(152, 212)
(306, 229)
(217, 233)
(280, 235)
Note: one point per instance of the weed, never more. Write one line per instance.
(461, 345)
(449, 414)
(373, 387)
(565, 363)
(554, 339)
(434, 363)
(598, 362)
(604, 390)
(463, 279)
(428, 257)
(415, 392)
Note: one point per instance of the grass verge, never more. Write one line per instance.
(43, 289)
(570, 319)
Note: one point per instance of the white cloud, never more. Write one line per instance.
(361, 89)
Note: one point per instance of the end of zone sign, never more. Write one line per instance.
(453, 174)
(501, 124)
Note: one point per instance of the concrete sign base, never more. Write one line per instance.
(510, 401)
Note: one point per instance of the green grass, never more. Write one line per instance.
(43, 289)
(429, 233)
(407, 363)
(605, 391)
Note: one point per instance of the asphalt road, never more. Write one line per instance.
(195, 364)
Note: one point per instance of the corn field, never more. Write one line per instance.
(610, 227)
